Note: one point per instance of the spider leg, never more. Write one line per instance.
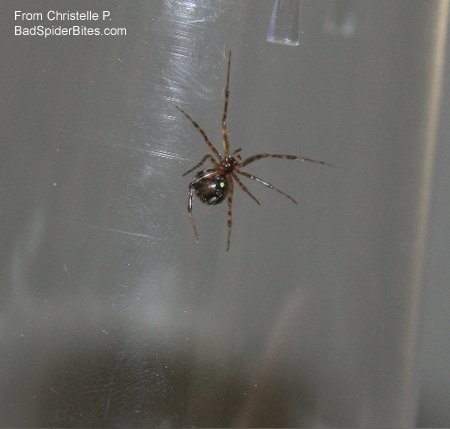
(202, 162)
(229, 217)
(251, 176)
(269, 155)
(244, 188)
(190, 198)
(210, 145)
(225, 110)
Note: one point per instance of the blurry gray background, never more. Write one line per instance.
(333, 312)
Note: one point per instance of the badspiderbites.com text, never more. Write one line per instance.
(28, 26)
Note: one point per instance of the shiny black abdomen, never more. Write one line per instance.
(210, 187)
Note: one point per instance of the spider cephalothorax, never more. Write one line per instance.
(213, 185)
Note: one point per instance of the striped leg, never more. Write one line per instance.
(225, 111)
(244, 188)
(270, 155)
(191, 217)
(229, 217)
(202, 162)
(210, 145)
(191, 197)
(250, 176)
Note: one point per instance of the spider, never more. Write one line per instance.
(213, 185)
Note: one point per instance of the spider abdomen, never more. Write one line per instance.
(210, 187)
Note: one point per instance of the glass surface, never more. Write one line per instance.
(284, 23)
(112, 315)
(340, 18)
